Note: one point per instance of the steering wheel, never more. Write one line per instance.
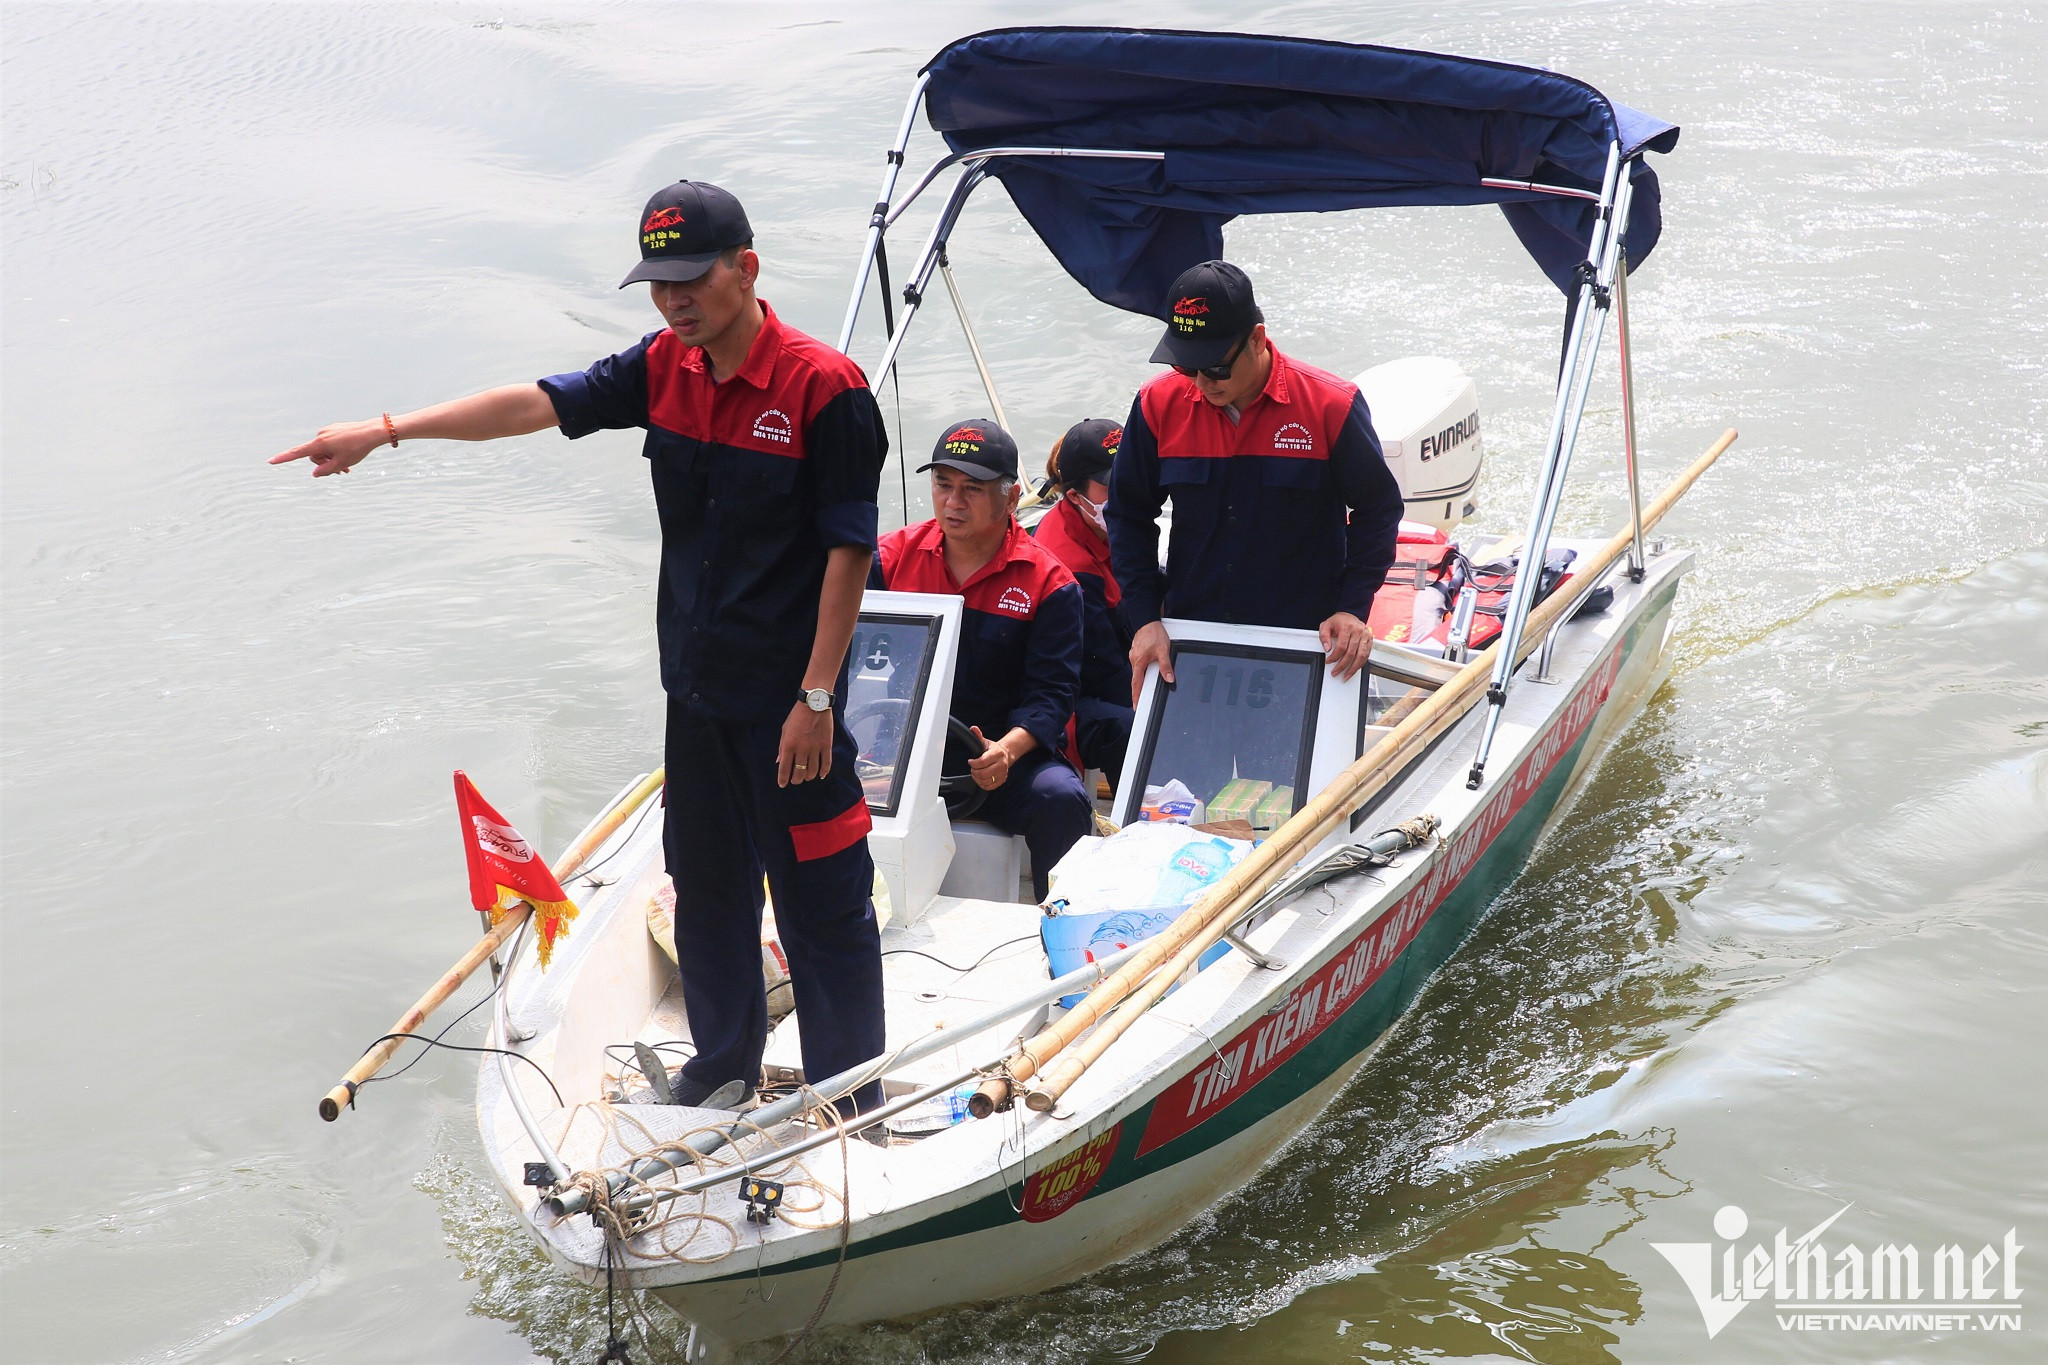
(958, 790)
(897, 708)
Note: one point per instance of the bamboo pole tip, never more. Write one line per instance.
(332, 1101)
(1040, 1101)
(991, 1095)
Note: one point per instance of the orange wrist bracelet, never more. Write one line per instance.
(391, 431)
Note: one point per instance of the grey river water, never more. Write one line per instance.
(1787, 953)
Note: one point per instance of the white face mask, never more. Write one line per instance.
(1091, 511)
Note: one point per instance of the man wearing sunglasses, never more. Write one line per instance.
(1284, 510)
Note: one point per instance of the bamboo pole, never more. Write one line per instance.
(1084, 1054)
(1198, 928)
(1246, 882)
(373, 1061)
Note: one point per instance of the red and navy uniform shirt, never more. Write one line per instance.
(1020, 635)
(1105, 635)
(1260, 535)
(755, 479)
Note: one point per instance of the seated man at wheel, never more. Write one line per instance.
(1020, 639)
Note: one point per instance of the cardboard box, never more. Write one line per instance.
(1273, 809)
(1238, 799)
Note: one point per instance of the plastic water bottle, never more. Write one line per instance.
(1193, 867)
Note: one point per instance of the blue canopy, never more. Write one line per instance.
(1253, 124)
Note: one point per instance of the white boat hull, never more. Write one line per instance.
(1167, 1124)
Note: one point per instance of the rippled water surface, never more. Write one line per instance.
(1787, 952)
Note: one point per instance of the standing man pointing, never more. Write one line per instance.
(766, 450)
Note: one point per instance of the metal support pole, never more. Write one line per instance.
(1636, 562)
(885, 214)
(927, 260)
(1579, 594)
(1258, 959)
(556, 1166)
(984, 155)
(1461, 624)
(1543, 653)
(878, 220)
(988, 381)
(1573, 384)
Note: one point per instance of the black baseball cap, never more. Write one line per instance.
(1208, 311)
(684, 228)
(977, 448)
(1088, 450)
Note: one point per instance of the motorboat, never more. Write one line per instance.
(1340, 838)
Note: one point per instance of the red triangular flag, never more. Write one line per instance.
(504, 869)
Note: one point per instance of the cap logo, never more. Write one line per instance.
(1111, 440)
(1015, 599)
(965, 434)
(772, 425)
(663, 218)
(1191, 315)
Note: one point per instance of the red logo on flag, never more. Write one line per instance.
(503, 869)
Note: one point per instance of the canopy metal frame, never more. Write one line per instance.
(1601, 288)
(1592, 301)
(933, 255)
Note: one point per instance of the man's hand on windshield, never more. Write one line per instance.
(1347, 644)
(1150, 646)
(337, 449)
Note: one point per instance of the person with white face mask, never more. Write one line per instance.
(1077, 534)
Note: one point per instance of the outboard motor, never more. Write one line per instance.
(1426, 411)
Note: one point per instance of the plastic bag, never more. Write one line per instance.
(1143, 866)
(1111, 893)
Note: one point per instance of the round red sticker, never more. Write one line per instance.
(1052, 1191)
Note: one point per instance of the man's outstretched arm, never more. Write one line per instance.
(514, 410)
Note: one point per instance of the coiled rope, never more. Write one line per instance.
(633, 1222)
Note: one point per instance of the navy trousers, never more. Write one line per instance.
(728, 824)
(1102, 731)
(1045, 802)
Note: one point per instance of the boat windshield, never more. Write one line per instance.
(1236, 730)
(891, 661)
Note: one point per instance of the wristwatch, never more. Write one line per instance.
(817, 698)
